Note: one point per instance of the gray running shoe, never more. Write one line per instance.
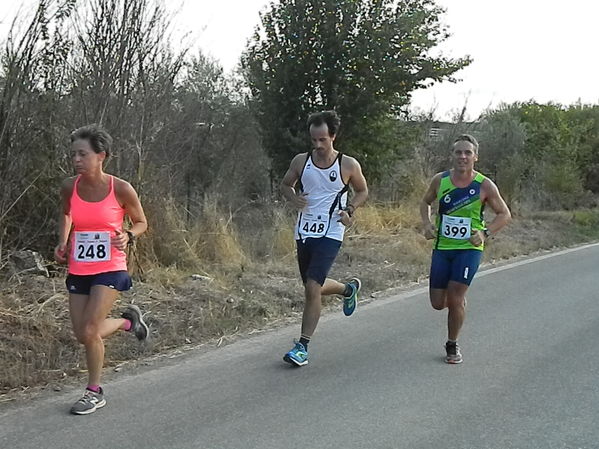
(454, 356)
(89, 403)
(138, 325)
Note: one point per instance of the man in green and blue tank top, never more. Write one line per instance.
(459, 233)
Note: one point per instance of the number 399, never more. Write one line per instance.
(454, 231)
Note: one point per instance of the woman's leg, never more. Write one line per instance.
(91, 325)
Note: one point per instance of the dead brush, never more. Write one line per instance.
(265, 230)
(211, 239)
(283, 242)
(36, 342)
(244, 290)
(385, 219)
(214, 239)
(167, 242)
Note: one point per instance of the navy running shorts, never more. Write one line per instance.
(458, 265)
(82, 284)
(315, 257)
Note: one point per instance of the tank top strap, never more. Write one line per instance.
(74, 193)
(112, 193)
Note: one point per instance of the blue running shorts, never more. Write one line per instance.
(82, 284)
(458, 265)
(315, 257)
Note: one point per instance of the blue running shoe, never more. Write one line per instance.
(351, 302)
(298, 355)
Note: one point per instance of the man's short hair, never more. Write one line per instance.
(467, 138)
(329, 117)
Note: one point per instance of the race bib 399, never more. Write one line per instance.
(458, 228)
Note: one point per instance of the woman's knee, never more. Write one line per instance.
(88, 334)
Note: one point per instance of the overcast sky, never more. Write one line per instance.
(522, 49)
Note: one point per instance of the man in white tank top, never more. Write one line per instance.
(324, 212)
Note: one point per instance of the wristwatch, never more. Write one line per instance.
(349, 211)
(131, 238)
(486, 232)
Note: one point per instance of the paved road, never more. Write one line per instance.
(530, 379)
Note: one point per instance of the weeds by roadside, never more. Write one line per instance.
(237, 274)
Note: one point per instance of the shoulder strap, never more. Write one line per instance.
(74, 192)
(479, 177)
(300, 185)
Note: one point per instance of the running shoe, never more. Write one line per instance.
(138, 325)
(351, 302)
(298, 355)
(454, 356)
(89, 403)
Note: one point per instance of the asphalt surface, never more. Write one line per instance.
(530, 378)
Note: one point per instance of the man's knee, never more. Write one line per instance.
(312, 289)
(438, 305)
(456, 300)
(456, 293)
(438, 298)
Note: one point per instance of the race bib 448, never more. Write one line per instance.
(312, 225)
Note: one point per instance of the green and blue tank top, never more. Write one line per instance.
(460, 213)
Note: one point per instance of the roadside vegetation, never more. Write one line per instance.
(206, 151)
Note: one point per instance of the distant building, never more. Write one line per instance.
(439, 131)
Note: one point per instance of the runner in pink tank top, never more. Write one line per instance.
(94, 225)
(92, 241)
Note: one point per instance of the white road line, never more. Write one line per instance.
(534, 259)
(422, 290)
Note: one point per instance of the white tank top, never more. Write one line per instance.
(327, 195)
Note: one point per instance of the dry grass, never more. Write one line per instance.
(386, 219)
(247, 259)
(212, 239)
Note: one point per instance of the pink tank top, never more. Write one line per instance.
(93, 226)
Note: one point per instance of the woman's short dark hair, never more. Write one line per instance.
(97, 137)
(329, 117)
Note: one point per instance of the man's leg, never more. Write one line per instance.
(299, 353)
(332, 287)
(440, 272)
(315, 258)
(312, 307)
(464, 267)
(456, 294)
(438, 297)
(323, 253)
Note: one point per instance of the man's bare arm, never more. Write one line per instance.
(290, 179)
(430, 231)
(502, 213)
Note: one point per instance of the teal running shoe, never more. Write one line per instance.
(298, 355)
(351, 302)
